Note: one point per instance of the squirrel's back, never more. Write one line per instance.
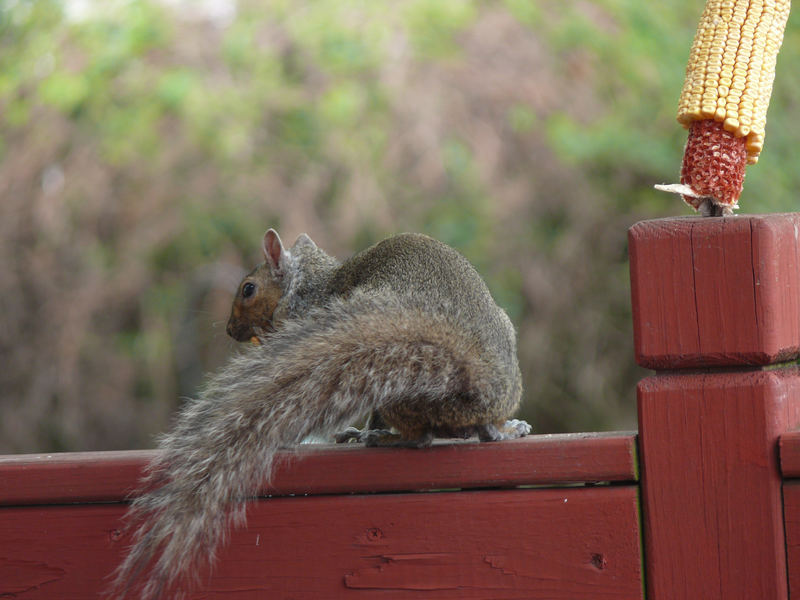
(437, 279)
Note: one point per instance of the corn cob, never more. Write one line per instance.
(725, 96)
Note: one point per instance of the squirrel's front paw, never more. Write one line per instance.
(518, 426)
(510, 430)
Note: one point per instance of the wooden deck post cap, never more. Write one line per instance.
(710, 292)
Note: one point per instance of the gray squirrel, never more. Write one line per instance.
(405, 330)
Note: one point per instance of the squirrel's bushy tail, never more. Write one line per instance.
(315, 375)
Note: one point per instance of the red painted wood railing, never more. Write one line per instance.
(464, 520)
(716, 306)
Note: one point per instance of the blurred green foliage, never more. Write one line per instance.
(143, 143)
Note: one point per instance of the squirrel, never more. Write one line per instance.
(405, 329)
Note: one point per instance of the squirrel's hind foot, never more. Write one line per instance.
(384, 438)
(351, 434)
(510, 430)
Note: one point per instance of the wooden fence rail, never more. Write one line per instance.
(459, 520)
(715, 513)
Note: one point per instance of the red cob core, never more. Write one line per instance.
(713, 165)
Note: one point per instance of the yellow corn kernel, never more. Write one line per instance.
(732, 66)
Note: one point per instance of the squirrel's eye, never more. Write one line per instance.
(248, 289)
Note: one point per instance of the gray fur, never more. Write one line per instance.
(406, 328)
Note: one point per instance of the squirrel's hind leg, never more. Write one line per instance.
(510, 430)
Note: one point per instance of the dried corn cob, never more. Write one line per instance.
(725, 97)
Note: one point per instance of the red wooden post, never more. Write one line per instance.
(708, 295)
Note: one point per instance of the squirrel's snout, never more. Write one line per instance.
(233, 331)
(241, 332)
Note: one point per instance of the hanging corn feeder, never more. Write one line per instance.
(725, 97)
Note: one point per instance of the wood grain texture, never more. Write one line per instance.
(713, 515)
(328, 469)
(555, 544)
(791, 508)
(716, 292)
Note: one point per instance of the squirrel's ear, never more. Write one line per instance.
(273, 249)
(304, 240)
